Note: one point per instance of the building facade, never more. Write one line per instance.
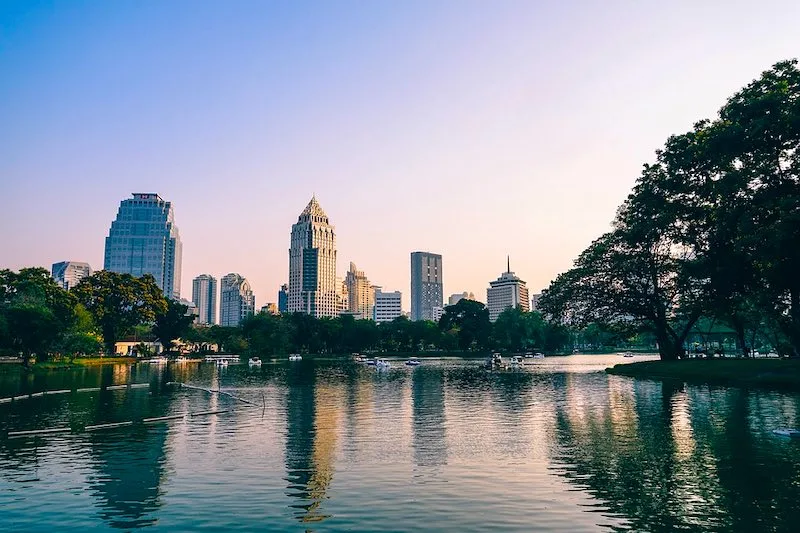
(144, 239)
(426, 285)
(283, 298)
(312, 264)
(360, 293)
(535, 301)
(455, 298)
(388, 306)
(69, 273)
(237, 301)
(506, 291)
(271, 308)
(204, 296)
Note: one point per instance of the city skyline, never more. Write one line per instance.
(394, 114)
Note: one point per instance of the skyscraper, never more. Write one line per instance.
(426, 285)
(144, 240)
(507, 291)
(236, 300)
(283, 298)
(360, 294)
(70, 273)
(204, 296)
(455, 298)
(312, 264)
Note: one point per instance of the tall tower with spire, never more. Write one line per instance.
(312, 264)
(507, 291)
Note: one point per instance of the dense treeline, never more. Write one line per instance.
(711, 230)
(38, 317)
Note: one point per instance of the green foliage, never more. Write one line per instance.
(172, 323)
(710, 229)
(119, 302)
(469, 321)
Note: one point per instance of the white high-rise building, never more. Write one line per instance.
(535, 301)
(70, 273)
(312, 264)
(507, 291)
(360, 293)
(237, 301)
(388, 305)
(204, 296)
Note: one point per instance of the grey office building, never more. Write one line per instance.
(426, 285)
(237, 301)
(144, 240)
(283, 299)
(204, 296)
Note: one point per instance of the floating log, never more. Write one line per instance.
(162, 418)
(15, 434)
(18, 398)
(65, 391)
(116, 387)
(5, 400)
(214, 412)
(89, 389)
(36, 394)
(108, 426)
(139, 385)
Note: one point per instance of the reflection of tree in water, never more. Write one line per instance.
(312, 420)
(427, 390)
(129, 469)
(677, 460)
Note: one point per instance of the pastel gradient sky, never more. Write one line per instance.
(474, 129)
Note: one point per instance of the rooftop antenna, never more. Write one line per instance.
(508, 258)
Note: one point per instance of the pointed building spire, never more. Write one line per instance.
(508, 258)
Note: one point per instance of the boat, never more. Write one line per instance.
(627, 354)
(528, 355)
(371, 362)
(295, 357)
(382, 363)
(157, 360)
(413, 362)
(254, 361)
(516, 360)
(494, 361)
(538, 355)
(787, 432)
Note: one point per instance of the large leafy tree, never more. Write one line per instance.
(35, 312)
(172, 323)
(119, 302)
(469, 320)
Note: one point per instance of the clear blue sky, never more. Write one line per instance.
(474, 129)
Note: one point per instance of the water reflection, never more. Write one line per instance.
(429, 436)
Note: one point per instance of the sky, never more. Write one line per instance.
(474, 129)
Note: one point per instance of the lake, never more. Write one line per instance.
(446, 446)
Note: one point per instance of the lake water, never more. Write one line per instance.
(447, 446)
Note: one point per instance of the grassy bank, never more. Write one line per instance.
(784, 373)
(75, 363)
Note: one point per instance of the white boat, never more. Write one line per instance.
(627, 354)
(295, 357)
(371, 362)
(157, 360)
(516, 360)
(254, 361)
(787, 432)
(528, 355)
(538, 355)
(382, 363)
(413, 362)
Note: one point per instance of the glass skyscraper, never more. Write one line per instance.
(144, 240)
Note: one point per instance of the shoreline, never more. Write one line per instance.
(771, 373)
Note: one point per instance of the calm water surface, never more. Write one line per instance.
(447, 446)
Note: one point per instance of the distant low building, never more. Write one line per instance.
(137, 347)
(535, 301)
(437, 314)
(388, 306)
(455, 298)
(271, 308)
(69, 273)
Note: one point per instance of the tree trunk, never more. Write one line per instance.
(666, 345)
(738, 327)
(794, 314)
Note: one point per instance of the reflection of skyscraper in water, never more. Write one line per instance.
(312, 420)
(429, 438)
(129, 474)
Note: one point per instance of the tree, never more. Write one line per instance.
(470, 322)
(172, 323)
(266, 334)
(118, 302)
